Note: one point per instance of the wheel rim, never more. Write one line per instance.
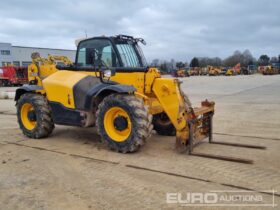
(113, 117)
(26, 111)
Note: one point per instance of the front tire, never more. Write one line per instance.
(34, 116)
(123, 122)
(162, 125)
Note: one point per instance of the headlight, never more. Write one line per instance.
(107, 73)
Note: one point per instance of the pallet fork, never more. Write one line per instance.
(192, 144)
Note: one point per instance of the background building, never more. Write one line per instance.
(21, 56)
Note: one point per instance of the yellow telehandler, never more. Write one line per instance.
(269, 70)
(111, 87)
(214, 71)
(180, 72)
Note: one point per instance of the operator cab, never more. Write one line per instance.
(118, 52)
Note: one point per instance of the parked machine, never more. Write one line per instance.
(276, 66)
(269, 70)
(194, 71)
(250, 69)
(236, 70)
(179, 73)
(203, 71)
(111, 87)
(13, 75)
(214, 71)
(230, 72)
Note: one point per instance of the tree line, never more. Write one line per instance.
(244, 58)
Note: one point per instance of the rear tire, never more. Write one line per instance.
(123, 122)
(34, 116)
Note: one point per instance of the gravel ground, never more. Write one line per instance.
(73, 170)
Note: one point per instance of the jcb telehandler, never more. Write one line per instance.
(181, 72)
(269, 70)
(111, 87)
(214, 71)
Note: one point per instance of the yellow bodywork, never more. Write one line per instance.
(169, 96)
(59, 87)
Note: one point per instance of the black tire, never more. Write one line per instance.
(139, 116)
(44, 123)
(4, 83)
(162, 125)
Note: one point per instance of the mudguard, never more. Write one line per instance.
(105, 88)
(89, 87)
(26, 88)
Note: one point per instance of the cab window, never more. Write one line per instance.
(97, 52)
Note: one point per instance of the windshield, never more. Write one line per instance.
(128, 55)
(131, 54)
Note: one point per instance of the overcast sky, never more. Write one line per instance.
(179, 29)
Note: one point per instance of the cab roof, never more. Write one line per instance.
(116, 37)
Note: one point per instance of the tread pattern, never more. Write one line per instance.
(140, 117)
(166, 129)
(45, 124)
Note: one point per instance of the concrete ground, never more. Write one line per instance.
(73, 170)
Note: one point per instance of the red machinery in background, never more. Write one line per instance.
(13, 75)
